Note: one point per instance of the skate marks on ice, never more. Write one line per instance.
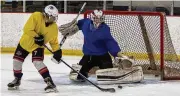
(66, 87)
(63, 79)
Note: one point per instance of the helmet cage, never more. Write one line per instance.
(97, 17)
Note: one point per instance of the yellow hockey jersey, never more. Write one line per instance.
(35, 26)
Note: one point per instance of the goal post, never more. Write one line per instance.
(147, 43)
(146, 37)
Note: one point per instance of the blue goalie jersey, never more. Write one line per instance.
(97, 41)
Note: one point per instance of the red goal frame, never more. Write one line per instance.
(162, 21)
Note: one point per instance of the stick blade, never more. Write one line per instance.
(109, 90)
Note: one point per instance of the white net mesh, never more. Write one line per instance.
(145, 36)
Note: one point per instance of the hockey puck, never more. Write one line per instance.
(119, 86)
(156, 75)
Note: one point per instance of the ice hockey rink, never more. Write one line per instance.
(33, 84)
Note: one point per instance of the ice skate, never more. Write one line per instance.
(51, 87)
(14, 85)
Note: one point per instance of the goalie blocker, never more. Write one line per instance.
(123, 72)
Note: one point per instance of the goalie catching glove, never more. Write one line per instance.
(123, 62)
(64, 26)
(69, 28)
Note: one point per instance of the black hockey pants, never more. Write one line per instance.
(88, 62)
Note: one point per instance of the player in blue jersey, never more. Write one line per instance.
(98, 44)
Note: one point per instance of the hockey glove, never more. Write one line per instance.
(67, 25)
(57, 56)
(39, 40)
(124, 61)
(69, 28)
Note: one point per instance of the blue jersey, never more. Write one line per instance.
(97, 41)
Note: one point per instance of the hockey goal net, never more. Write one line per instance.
(146, 37)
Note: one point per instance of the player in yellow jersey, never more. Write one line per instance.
(40, 28)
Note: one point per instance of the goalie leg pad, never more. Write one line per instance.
(73, 75)
(116, 75)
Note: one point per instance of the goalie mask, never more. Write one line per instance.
(51, 13)
(97, 17)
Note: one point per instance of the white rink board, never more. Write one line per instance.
(12, 25)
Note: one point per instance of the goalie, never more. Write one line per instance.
(98, 43)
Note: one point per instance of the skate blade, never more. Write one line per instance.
(52, 90)
(78, 80)
(13, 88)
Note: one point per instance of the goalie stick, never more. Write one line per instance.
(65, 36)
(63, 40)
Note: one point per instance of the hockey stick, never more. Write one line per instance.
(63, 40)
(102, 89)
(65, 36)
(81, 10)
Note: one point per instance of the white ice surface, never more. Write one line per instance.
(33, 85)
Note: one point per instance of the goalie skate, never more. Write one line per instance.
(116, 75)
